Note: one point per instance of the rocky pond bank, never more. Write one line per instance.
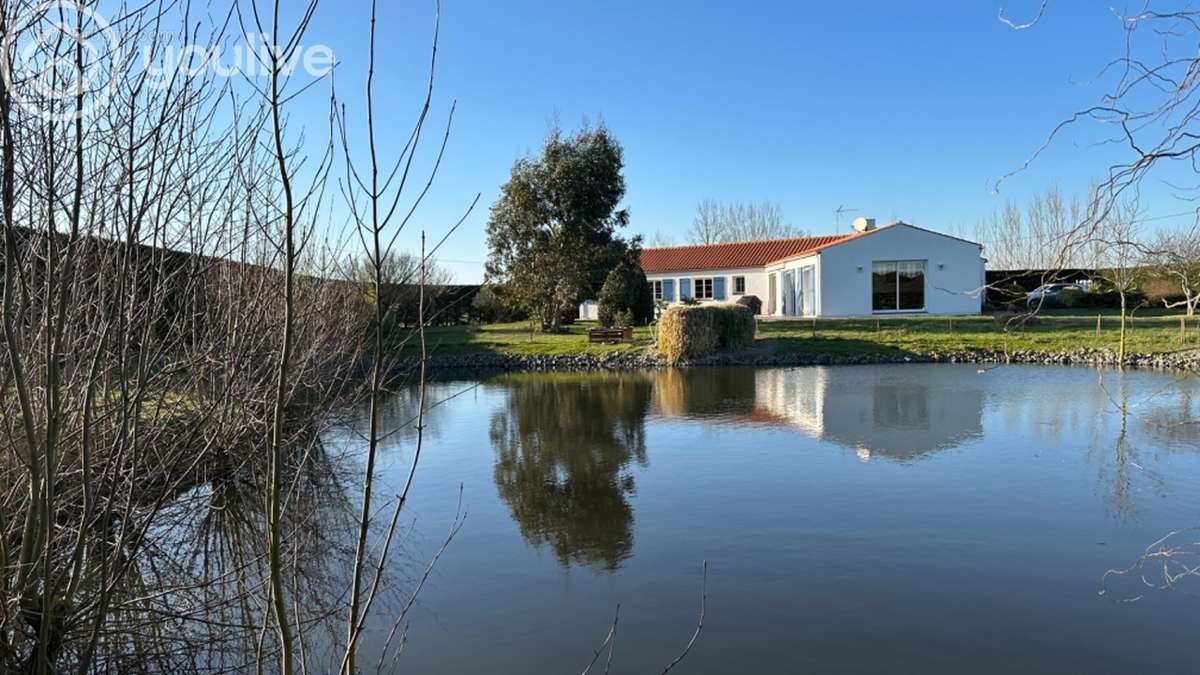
(640, 360)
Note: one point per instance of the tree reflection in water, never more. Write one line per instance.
(564, 444)
(193, 601)
(1122, 466)
(1173, 561)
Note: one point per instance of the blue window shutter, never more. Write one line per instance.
(685, 288)
(718, 288)
(668, 290)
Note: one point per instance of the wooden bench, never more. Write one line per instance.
(609, 335)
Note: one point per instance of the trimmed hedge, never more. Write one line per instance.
(686, 332)
(1109, 299)
(735, 326)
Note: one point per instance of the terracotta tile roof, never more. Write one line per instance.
(731, 256)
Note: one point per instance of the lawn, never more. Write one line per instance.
(518, 338)
(1053, 331)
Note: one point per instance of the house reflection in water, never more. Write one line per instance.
(893, 412)
(567, 445)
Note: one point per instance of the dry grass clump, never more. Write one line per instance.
(687, 332)
(735, 326)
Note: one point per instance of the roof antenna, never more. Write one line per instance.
(837, 215)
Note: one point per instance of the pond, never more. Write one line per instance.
(908, 518)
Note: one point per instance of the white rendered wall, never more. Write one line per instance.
(794, 266)
(756, 282)
(954, 273)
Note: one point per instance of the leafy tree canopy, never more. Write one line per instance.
(552, 233)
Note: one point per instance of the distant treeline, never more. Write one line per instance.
(445, 304)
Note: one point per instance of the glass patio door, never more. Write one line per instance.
(808, 292)
(772, 293)
(789, 293)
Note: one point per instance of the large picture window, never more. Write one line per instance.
(898, 286)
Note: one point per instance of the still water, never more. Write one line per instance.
(861, 519)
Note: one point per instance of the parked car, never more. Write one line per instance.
(1047, 294)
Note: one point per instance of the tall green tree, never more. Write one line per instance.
(552, 233)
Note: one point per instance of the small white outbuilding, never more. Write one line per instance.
(589, 310)
(893, 269)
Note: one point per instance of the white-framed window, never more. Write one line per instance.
(739, 285)
(658, 290)
(704, 289)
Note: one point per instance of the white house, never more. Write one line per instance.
(892, 269)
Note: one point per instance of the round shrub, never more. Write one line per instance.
(752, 302)
(625, 296)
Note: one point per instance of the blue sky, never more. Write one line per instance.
(899, 110)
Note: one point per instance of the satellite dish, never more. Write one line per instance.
(863, 224)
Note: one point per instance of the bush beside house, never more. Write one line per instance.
(625, 298)
(686, 332)
(752, 302)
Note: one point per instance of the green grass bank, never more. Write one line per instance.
(1151, 332)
